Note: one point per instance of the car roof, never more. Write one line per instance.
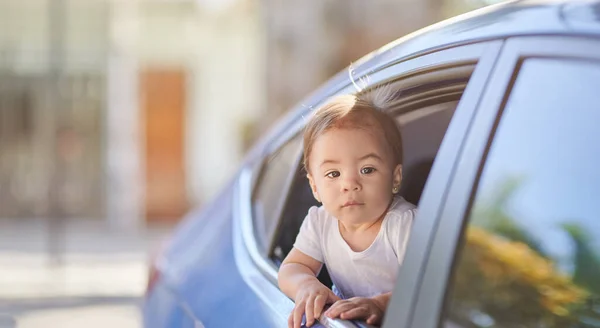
(503, 20)
(500, 21)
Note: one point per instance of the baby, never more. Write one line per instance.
(353, 160)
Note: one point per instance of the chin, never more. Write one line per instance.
(355, 218)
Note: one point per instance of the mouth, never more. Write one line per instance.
(352, 203)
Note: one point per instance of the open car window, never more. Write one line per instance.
(424, 114)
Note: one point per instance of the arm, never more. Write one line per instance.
(297, 269)
(297, 279)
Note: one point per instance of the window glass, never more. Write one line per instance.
(271, 189)
(531, 249)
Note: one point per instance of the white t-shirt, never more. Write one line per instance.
(358, 274)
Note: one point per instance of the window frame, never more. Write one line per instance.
(437, 274)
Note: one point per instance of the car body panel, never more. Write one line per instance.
(167, 310)
(200, 270)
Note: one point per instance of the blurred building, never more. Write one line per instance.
(132, 111)
(36, 64)
(153, 94)
(192, 79)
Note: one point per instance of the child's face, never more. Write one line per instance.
(352, 174)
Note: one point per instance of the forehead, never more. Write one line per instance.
(357, 119)
(349, 141)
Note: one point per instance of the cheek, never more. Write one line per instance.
(327, 188)
(380, 184)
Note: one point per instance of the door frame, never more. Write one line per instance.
(408, 284)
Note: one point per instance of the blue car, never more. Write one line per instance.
(500, 113)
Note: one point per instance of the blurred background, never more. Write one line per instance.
(118, 116)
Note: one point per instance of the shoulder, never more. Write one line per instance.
(311, 235)
(317, 212)
(317, 217)
(400, 207)
(401, 213)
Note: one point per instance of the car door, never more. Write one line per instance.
(517, 241)
(257, 251)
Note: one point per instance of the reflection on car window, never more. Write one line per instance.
(531, 252)
(270, 189)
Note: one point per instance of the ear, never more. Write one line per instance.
(313, 187)
(397, 176)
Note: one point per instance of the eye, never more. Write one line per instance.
(367, 170)
(333, 174)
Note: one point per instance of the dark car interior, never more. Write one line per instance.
(423, 111)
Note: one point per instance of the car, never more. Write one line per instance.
(500, 116)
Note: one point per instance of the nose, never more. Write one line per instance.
(351, 182)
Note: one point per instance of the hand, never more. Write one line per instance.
(310, 299)
(358, 308)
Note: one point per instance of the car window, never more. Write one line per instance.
(530, 254)
(423, 125)
(270, 189)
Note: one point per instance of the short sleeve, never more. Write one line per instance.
(399, 232)
(308, 240)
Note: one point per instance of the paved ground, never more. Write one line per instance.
(97, 282)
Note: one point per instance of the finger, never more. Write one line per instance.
(333, 307)
(374, 319)
(291, 320)
(319, 305)
(339, 307)
(309, 310)
(360, 312)
(298, 312)
(332, 298)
